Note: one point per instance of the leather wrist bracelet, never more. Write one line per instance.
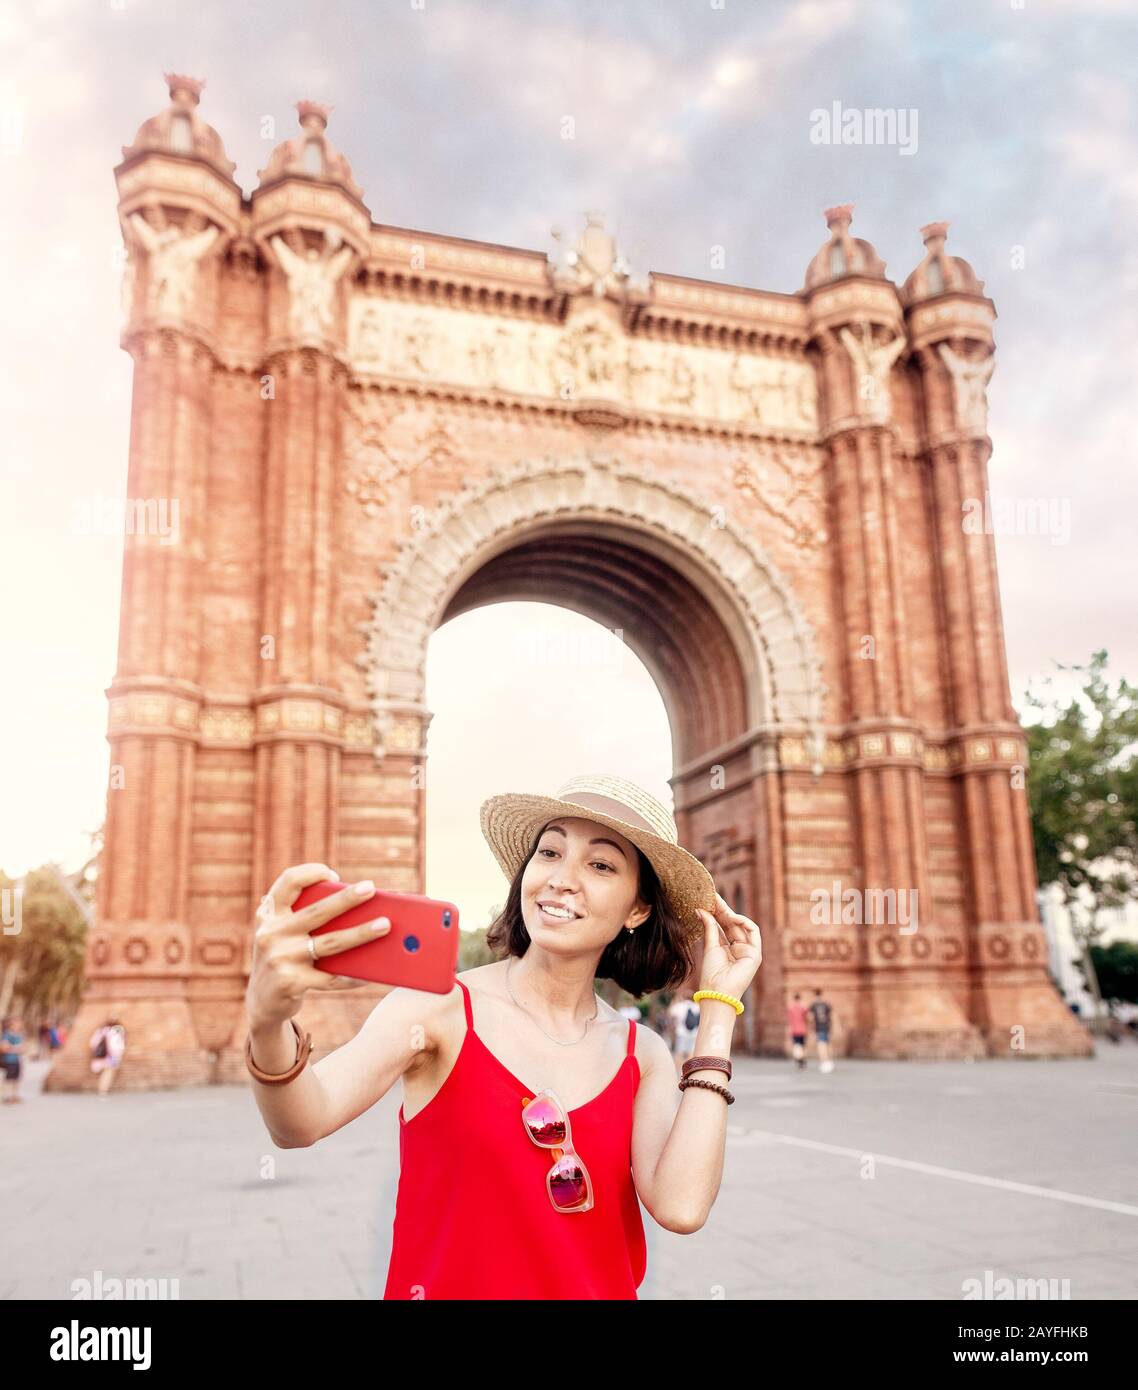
(707, 1064)
(303, 1048)
(707, 1086)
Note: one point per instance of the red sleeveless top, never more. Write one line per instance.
(473, 1217)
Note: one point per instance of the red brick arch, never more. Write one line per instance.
(305, 372)
(749, 636)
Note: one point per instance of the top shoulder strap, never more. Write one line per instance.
(466, 1004)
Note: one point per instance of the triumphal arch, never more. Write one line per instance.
(365, 430)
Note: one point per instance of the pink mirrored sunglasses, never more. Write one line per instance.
(546, 1122)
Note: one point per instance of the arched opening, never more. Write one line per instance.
(612, 576)
(727, 645)
(524, 696)
(700, 603)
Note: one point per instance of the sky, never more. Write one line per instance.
(691, 128)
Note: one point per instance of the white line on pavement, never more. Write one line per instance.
(958, 1174)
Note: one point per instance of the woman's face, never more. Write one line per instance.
(590, 870)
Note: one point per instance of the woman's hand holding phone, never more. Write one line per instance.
(283, 968)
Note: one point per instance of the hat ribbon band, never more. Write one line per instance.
(608, 806)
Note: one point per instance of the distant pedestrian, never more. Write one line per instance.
(658, 1020)
(665, 1025)
(796, 1022)
(108, 1043)
(684, 1013)
(821, 1015)
(12, 1047)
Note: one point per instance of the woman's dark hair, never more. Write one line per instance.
(654, 956)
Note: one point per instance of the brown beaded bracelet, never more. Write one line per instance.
(708, 1086)
(707, 1064)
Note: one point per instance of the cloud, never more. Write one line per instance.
(691, 131)
(1094, 133)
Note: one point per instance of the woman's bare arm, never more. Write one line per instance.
(678, 1137)
(396, 1037)
(325, 1094)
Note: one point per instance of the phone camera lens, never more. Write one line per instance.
(446, 916)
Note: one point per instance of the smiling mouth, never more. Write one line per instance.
(559, 914)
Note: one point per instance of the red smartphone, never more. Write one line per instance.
(420, 951)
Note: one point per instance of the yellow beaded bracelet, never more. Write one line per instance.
(717, 994)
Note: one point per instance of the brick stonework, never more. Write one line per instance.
(368, 430)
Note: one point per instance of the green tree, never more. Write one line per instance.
(1116, 967)
(41, 964)
(1083, 790)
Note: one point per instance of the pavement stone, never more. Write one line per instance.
(186, 1185)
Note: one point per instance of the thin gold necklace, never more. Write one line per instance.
(535, 1023)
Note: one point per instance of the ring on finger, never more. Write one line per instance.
(312, 947)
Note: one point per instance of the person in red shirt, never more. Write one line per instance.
(796, 1022)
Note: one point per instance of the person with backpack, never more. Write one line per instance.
(821, 1015)
(12, 1050)
(108, 1043)
(684, 1013)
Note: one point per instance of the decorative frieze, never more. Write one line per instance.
(752, 306)
(424, 255)
(856, 295)
(294, 196)
(894, 746)
(150, 711)
(929, 322)
(183, 181)
(589, 357)
(227, 724)
(358, 731)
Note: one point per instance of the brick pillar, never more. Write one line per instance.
(140, 947)
(904, 1006)
(1012, 1000)
(298, 707)
(768, 1031)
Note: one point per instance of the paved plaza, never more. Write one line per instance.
(882, 1180)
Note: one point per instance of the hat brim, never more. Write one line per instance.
(511, 820)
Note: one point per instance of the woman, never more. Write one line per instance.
(108, 1043)
(535, 1119)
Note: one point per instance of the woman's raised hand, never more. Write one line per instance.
(282, 966)
(731, 951)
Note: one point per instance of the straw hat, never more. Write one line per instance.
(512, 820)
